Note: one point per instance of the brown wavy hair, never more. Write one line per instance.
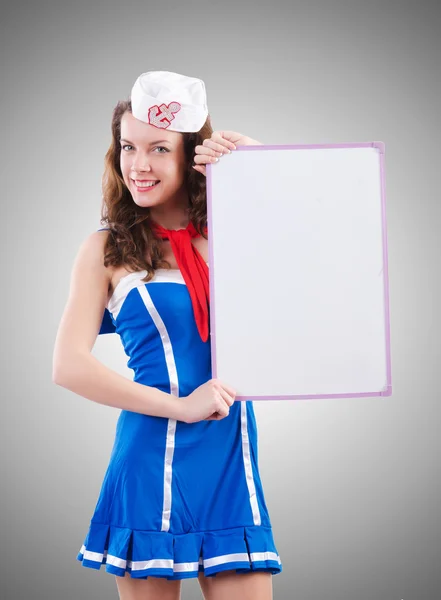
(131, 242)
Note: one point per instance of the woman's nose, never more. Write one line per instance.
(140, 164)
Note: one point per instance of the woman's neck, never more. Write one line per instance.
(175, 216)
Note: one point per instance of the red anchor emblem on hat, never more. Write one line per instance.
(162, 116)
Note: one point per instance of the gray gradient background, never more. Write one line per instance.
(352, 485)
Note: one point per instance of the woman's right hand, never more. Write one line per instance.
(211, 401)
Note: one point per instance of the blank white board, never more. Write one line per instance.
(298, 271)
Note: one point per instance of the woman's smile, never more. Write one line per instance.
(145, 185)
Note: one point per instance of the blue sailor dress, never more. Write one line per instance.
(177, 498)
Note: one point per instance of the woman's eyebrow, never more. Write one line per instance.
(151, 143)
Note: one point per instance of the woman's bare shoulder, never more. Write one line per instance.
(88, 291)
(93, 247)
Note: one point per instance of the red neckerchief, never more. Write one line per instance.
(193, 268)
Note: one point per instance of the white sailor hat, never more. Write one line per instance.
(170, 101)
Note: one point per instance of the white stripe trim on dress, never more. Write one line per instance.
(174, 391)
(247, 464)
(134, 279)
(185, 567)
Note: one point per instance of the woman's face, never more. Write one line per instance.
(150, 153)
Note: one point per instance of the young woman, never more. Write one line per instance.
(182, 496)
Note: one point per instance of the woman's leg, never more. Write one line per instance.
(229, 585)
(153, 588)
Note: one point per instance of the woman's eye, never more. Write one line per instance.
(124, 146)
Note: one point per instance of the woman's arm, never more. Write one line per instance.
(75, 367)
(86, 376)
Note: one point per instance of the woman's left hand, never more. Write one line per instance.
(220, 143)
